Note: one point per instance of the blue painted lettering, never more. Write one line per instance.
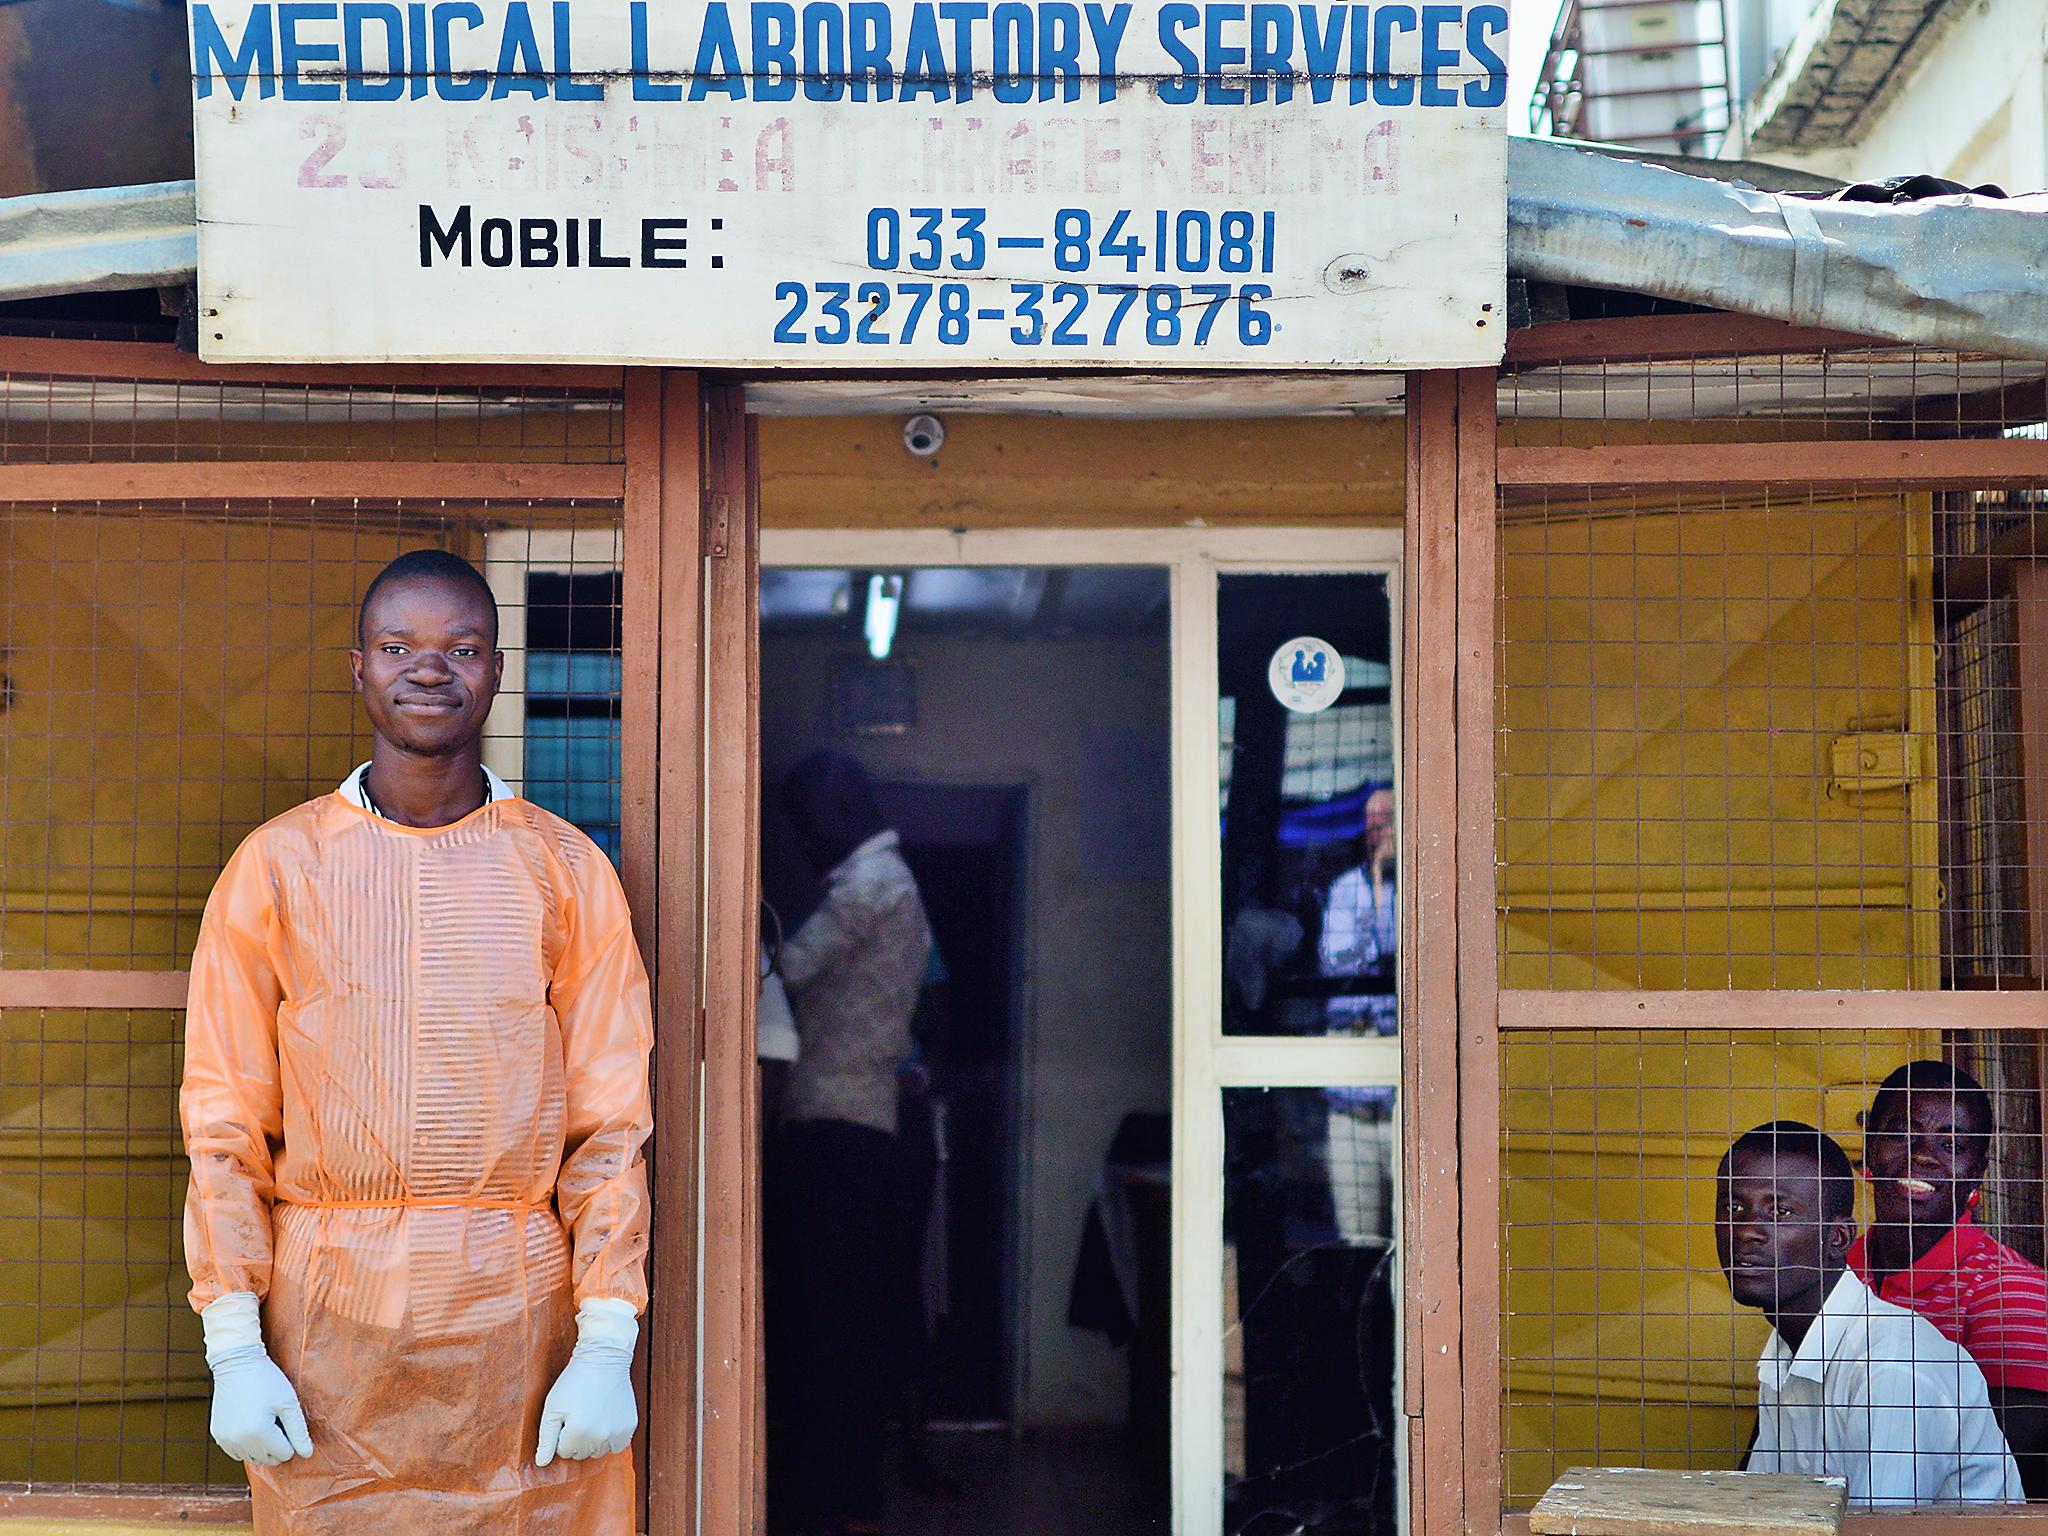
(718, 58)
(1178, 90)
(294, 54)
(1481, 23)
(257, 55)
(1390, 89)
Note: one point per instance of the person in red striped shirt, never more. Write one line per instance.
(1926, 1146)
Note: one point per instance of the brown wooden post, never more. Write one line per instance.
(733, 1461)
(1433, 1392)
(666, 496)
(1478, 943)
(2030, 675)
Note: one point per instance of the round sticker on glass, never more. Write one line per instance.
(1306, 675)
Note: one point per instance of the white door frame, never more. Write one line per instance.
(1204, 1061)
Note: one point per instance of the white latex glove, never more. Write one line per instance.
(256, 1413)
(590, 1409)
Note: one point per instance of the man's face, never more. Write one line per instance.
(1923, 1157)
(1379, 819)
(1775, 1244)
(428, 668)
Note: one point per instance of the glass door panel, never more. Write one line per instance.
(1308, 1284)
(1288, 1311)
(1305, 767)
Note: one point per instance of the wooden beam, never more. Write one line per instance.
(154, 361)
(678, 1020)
(92, 989)
(2030, 673)
(95, 1501)
(1433, 1392)
(639, 737)
(1478, 1076)
(1787, 1010)
(1970, 464)
(1649, 338)
(733, 1455)
(310, 479)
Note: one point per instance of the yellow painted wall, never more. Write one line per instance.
(1670, 688)
(175, 680)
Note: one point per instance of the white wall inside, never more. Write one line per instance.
(1083, 723)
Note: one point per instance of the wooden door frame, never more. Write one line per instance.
(1204, 1064)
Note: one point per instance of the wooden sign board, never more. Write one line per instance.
(828, 184)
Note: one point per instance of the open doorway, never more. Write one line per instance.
(1011, 725)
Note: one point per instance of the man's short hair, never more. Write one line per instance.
(831, 787)
(1932, 1076)
(428, 565)
(1795, 1138)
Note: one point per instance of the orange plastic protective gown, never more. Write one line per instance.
(415, 1099)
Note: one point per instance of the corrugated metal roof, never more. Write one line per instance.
(1968, 273)
(1965, 273)
(99, 240)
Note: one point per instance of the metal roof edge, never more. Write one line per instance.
(98, 239)
(1755, 173)
(1965, 272)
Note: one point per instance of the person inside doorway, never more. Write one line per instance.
(1362, 928)
(1926, 1148)
(1848, 1385)
(853, 970)
(415, 1101)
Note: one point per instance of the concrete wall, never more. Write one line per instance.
(1084, 724)
(1972, 109)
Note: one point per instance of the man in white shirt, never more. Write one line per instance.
(853, 970)
(1362, 926)
(1848, 1386)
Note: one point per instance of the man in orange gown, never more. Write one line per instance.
(415, 1102)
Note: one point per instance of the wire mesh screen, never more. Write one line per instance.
(104, 1378)
(46, 420)
(1770, 739)
(1832, 395)
(1716, 742)
(175, 674)
(1627, 1343)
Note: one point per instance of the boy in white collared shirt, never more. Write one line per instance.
(1849, 1386)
